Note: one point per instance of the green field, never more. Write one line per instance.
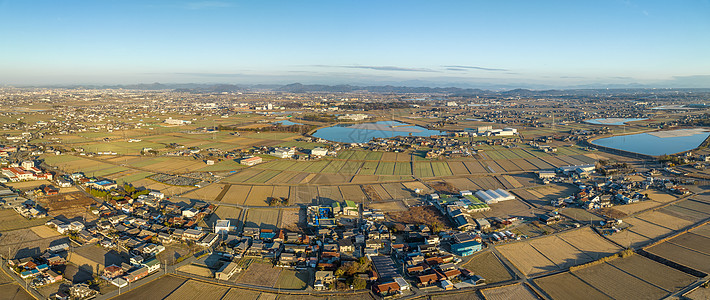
(263, 176)
(359, 155)
(423, 169)
(277, 165)
(495, 154)
(316, 167)
(225, 165)
(334, 166)
(111, 170)
(374, 156)
(385, 168)
(345, 154)
(133, 177)
(441, 169)
(350, 167)
(368, 168)
(403, 168)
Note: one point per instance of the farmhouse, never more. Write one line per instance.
(323, 279)
(227, 270)
(137, 274)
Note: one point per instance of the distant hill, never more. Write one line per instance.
(386, 89)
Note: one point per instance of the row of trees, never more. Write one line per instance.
(297, 128)
(126, 190)
(320, 118)
(349, 271)
(277, 201)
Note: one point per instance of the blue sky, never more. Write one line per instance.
(464, 43)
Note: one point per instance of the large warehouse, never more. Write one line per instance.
(494, 196)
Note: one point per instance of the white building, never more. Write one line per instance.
(76, 226)
(189, 213)
(353, 117)
(494, 196)
(157, 195)
(171, 121)
(283, 152)
(222, 226)
(28, 164)
(319, 151)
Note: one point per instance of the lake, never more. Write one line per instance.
(657, 143)
(612, 121)
(287, 123)
(365, 132)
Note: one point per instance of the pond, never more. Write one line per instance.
(287, 123)
(657, 143)
(365, 132)
(613, 121)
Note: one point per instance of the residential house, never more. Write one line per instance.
(323, 279)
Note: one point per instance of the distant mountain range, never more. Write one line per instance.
(381, 89)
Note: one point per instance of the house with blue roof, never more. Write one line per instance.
(466, 248)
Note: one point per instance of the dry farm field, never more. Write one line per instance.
(157, 289)
(262, 218)
(193, 289)
(209, 192)
(634, 277)
(293, 280)
(648, 226)
(259, 274)
(689, 249)
(558, 251)
(291, 219)
(514, 291)
(196, 270)
(44, 231)
(456, 296)
(564, 286)
(236, 194)
(258, 195)
(489, 267)
(241, 294)
(617, 283)
(11, 220)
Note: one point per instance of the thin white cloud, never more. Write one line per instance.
(380, 68)
(459, 68)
